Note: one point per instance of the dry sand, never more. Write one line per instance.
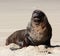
(40, 50)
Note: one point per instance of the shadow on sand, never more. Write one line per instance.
(53, 46)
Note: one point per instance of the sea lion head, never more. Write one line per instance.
(37, 16)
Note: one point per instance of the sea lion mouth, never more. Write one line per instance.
(36, 20)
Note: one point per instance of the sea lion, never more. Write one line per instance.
(38, 32)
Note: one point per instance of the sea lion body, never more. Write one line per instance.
(39, 28)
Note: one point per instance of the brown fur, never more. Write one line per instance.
(38, 32)
(18, 37)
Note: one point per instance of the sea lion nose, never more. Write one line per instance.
(35, 15)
